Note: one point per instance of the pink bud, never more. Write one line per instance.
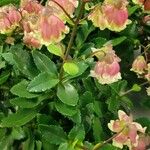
(147, 5)
(139, 65)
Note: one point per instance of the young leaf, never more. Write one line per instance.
(44, 63)
(18, 119)
(55, 49)
(44, 81)
(53, 134)
(68, 94)
(71, 68)
(20, 90)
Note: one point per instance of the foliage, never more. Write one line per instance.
(66, 72)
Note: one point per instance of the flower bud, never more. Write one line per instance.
(139, 65)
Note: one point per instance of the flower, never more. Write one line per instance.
(148, 91)
(111, 14)
(139, 65)
(127, 130)
(51, 28)
(107, 69)
(147, 75)
(9, 19)
(139, 2)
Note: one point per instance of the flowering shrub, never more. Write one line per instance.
(75, 74)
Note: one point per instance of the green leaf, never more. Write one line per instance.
(136, 88)
(20, 90)
(44, 63)
(8, 57)
(71, 68)
(55, 49)
(65, 109)
(53, 134)
(25, 103)
(6, 2)
(131, 10)
(44, 81)
(68, 94)
(4, 76)
(20, 118)
(118, 41)
(23, 61)
(77, 133)
(99, 42)
(18, 133)
(108, 147)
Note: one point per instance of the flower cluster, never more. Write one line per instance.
(142, 69)
(42, 25)
(128, 132)
(107, 69)
(110, 14)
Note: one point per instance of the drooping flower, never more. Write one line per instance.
(111, 14)
(127, 129)
(107, 69)
(139, 65)
(9, 19)
(51, 28)
(68, 5)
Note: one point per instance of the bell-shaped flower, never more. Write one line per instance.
(127, 130)
(111, 14)
(51, 28)
(9, 19)
(139, 65)
(68, 5)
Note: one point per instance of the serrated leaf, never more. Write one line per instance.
(53, 134)
(68, 94)
(20, 89)
(55, 49)
(44, 81)
(44, 63)
(4, 76)
(20, 118)
(65, 109)
(25, 103)
(71, 68)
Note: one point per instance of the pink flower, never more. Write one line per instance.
(127, 129)
(51, 28)
(111, 14)
(107, 69)
(9, 19)
(139, 65)
(147, 76)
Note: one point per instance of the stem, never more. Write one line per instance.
(73, 34)
(99, 145)
(131, 90)
(64, 11)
